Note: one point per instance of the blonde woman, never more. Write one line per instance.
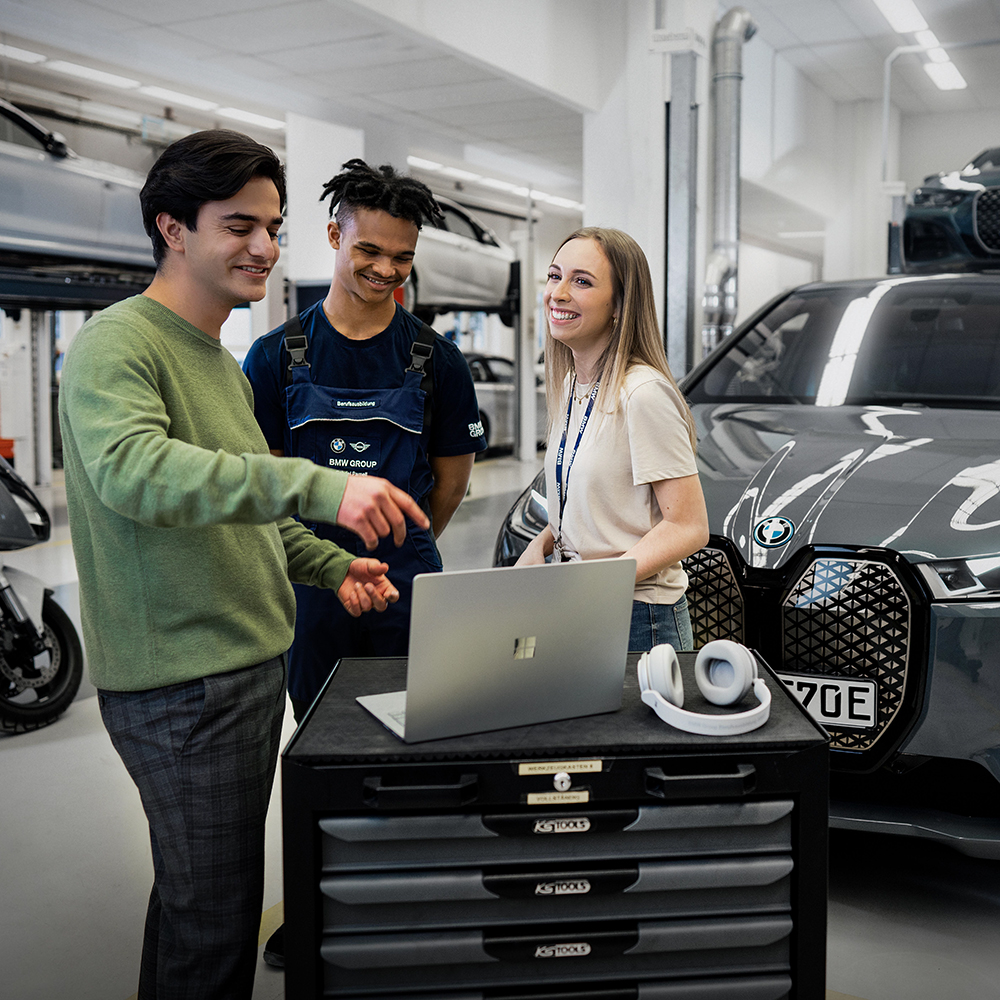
(620, 469)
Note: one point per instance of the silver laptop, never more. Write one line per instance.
(494, 648)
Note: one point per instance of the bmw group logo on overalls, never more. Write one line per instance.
(337, 445)
(773, 531)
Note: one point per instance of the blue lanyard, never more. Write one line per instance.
(562, 491)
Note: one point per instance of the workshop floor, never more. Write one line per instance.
(907, 919)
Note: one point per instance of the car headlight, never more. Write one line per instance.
(938, 197)
(30, 514)
(533, 514)
(952, 578)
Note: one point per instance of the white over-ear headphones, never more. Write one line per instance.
(725, 672)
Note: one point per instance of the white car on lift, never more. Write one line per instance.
(460, 265)
(55, 204)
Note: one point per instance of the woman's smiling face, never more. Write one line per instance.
(579, 297)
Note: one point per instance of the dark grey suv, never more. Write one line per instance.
(849, 450)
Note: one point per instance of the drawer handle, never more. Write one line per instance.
(380, 796)
(683, 786)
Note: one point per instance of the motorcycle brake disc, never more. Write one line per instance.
(44, 676)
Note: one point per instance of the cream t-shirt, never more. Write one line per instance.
(610, 504)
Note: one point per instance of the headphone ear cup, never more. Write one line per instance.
(663, 673)
(725, 671)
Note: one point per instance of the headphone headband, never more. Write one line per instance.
(725, 671)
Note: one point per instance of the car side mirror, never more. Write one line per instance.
(55, 143)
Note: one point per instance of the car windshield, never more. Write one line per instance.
(12, 130)
(912, 343)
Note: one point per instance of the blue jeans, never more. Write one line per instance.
(656, 623)
(202, 754)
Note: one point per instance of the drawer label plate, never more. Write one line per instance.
(557, 799)
(555, 766)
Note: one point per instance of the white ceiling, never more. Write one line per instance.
(841, 46)
(326, 59)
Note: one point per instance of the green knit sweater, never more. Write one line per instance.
(180, 518)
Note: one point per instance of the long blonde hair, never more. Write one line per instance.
(635, 334)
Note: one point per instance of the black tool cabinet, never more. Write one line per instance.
(610, 857)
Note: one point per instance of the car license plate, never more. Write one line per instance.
(834, 701)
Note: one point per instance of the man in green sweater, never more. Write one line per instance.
(186, 547)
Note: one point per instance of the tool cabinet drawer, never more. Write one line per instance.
(581, 953)
(485, 896)
(444, 840)
(760, 987)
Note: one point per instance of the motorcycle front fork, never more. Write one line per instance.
(17, 632)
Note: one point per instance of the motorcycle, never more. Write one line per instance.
(41, 660)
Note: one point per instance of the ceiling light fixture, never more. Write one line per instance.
(945, 75)
(21, 55)
(91, 74)
(902, 15)
(250, 118)
(185, 100)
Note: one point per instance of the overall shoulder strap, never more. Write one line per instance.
(296, 344)
(421, 361)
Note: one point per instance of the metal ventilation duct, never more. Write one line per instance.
(720, 301)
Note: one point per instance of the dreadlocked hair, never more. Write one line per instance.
(359, 185)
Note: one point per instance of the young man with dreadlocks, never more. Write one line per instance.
(358, 404)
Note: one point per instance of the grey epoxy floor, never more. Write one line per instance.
(907, 919)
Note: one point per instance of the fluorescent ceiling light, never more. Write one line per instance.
(250, 118)
(902, 15)
(422, 164)
(185, 100)
(945, 75)
(21, 55)
(91, 74)
(930, 42)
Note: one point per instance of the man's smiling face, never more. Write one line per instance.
(374, 253)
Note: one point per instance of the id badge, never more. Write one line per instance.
(563, 553)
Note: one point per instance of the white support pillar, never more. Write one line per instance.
(524, 346)
(42, 333)
(625, 170)
(17, 404)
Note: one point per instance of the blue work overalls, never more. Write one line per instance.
(367, 432)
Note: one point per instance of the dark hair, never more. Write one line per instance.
(205, 166)
(361, 186)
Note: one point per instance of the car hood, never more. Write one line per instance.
(923, 482)
(956, 179)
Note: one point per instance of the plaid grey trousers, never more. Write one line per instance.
(202, 755)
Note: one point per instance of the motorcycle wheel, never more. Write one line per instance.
(25, 708)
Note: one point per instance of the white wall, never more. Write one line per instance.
(788, 132)
(316, 150)
(827, 157)
(764, 273)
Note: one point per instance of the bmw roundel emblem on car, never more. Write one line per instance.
(773, 531)
(337, 445)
